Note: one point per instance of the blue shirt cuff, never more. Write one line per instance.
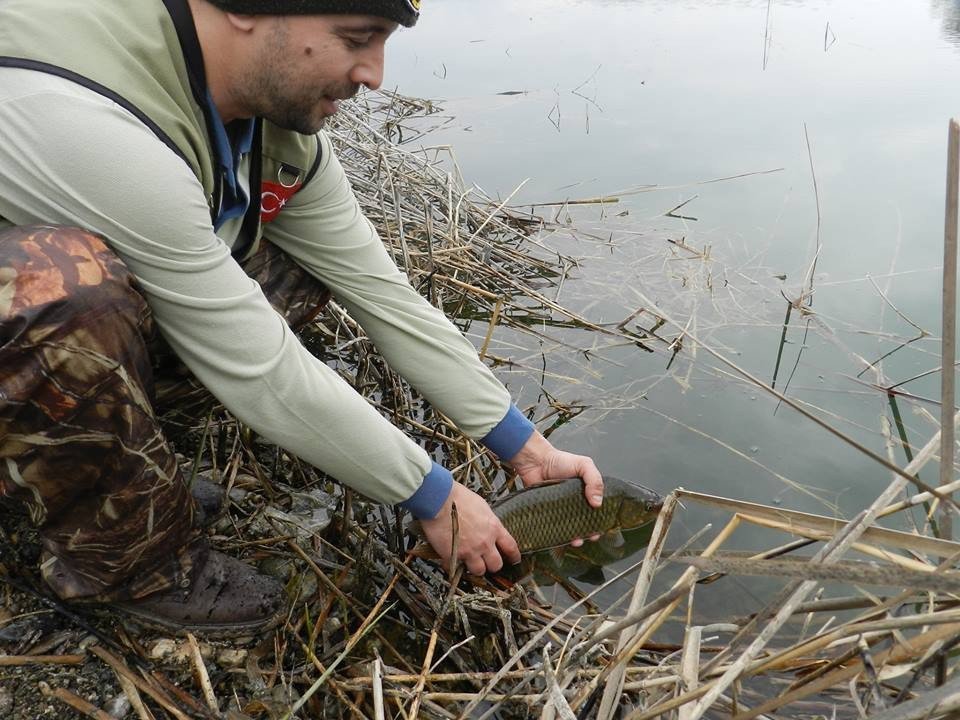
(510, 434)
(426, 502)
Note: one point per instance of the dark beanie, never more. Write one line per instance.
(404, 12)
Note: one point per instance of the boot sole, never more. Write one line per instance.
(208, 630)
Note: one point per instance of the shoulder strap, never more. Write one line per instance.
(182, 19)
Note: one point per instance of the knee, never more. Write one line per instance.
(68, 269)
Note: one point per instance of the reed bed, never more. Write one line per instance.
(865, 622)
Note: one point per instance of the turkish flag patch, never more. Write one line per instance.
(273, 197)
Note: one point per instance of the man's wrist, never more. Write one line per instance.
(534, 450)
(433, 492)
(510, 434)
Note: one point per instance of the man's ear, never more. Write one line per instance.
(243, 23)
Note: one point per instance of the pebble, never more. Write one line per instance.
(170, 649)
(6, 702)
(162, 648)
(118, 707)
(232, 658)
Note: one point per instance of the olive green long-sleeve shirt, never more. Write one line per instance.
(70, 156)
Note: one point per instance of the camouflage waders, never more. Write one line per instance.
(83, 376)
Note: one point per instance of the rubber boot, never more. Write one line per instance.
(224, 598)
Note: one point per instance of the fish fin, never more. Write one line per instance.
(614, 539)
(592, 575)
(557, 554)
(510, 575)
(423, 550)
(498, 580)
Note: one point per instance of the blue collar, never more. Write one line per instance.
(229, 148)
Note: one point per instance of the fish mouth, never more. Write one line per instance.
(652, 500)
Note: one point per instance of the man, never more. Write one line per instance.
(161, 168)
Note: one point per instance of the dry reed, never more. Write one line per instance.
(374, 632)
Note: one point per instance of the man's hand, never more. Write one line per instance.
(539, 461)
(481, 539)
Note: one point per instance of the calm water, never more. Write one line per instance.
(627, 95)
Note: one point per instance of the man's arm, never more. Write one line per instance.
(71, 157)
(483, 542)
(324, 229)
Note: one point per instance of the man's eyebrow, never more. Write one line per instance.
(372, 26)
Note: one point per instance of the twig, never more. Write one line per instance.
(200, 670)
(19, 660)
(75, 701)
(160, 697)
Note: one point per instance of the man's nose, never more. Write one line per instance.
(369, 71)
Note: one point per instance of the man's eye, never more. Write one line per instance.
(355, 42)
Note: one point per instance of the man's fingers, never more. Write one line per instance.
(578, 542)
(493, 561)
(508, 546)
(592, 483)
(475, 565)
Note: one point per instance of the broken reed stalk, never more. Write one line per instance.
(18, 660)
(376, 677)
(76, 702)
(201, 674)
(611, 694)
(949, 333)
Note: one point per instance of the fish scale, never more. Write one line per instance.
(550, 515)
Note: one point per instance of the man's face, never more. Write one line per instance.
(303, 65)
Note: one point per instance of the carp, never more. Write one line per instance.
(552, 514)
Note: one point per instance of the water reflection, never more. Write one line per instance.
(948, 12)
(874, 102)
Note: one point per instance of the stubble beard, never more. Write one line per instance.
(277, 93)
(279, 98)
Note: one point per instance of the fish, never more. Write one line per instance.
(585, 564)
(551, 514)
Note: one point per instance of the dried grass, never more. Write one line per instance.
(374, 632)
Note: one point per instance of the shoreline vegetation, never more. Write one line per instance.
(864, 624)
